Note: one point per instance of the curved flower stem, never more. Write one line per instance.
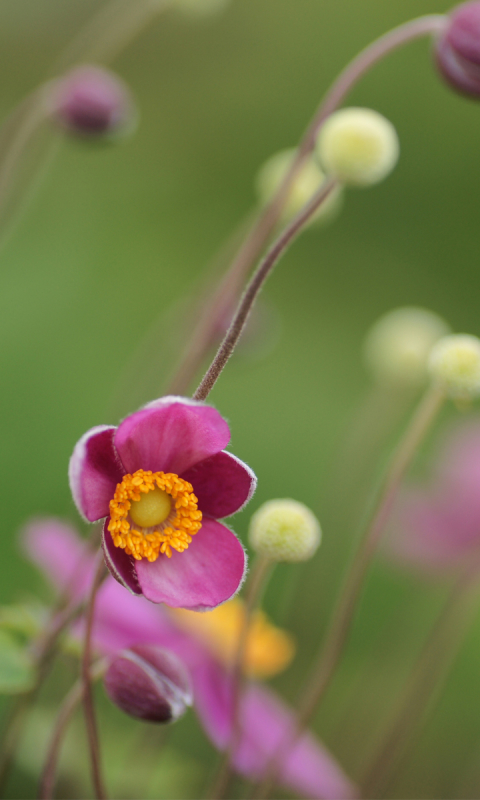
(432, 666)
(251, 293)
(88, 702)
(344, 612)
(259, 578)
(224, 297)
(67, 709)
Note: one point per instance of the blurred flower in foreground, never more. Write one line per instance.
(307, 182)
(92, 102)
(457, 51)
(285, 530)
(455, 363)
(437, 527)
(123, 621)
(149, 683)
(160, 539)
(358, 146)
(398, 345)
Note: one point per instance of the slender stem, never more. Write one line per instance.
(67, 709)
(256, 586)
(344, 612)
(222, 300)
(88, 702)
(258, 279)
(433, 664)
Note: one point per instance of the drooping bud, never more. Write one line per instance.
(398, 346)
(285, 530)
(91, 102)
(358, 146)
(455, 364)
(457, 50)
(200, 8)
(149, 683)
(307, 182)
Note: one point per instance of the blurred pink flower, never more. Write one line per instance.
(437, 527)
(172, 442)
(123, 620)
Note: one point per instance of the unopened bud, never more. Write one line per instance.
(285, 530)
(149, 683)
(200, 8)
(358, 146)
(455, 364)
(398, 345)
(306, 183)
(457, 50)
(91, 102)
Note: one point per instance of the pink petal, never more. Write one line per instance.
(210, 572)
(308, 769)
(94, 472)
(56, 548)
(170, 435)
(222, 483)
(121, 565)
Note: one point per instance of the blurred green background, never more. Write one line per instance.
(116, 236)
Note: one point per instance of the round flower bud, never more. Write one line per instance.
(91, 102)
(457, 50)
(398, 346)
(307, 182)
(455, 363)
(285, 530)
(199, 8)
(149, 683)
(358, 146)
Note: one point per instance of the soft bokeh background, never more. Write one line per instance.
(116, 236)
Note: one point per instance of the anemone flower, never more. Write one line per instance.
(162, 479)
(437, 527)
(124, 621)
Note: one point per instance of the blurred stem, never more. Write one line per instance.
(88, 701)
(424, 683)
(344, 612)
(205, 334)
(253, 288)
(42, 655)
(67, 709)
(259, 577)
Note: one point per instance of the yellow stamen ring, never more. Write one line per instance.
(174, 531)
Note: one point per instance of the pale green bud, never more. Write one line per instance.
(455, 364)
(306, 184)
(358, 146)
(284, 530)
(398, 346)
(199, 8)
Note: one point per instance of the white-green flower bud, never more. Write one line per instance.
(284, 530)
(307, 182)
(398, 346)
(199, 8)
(358, 146)
(455, 364)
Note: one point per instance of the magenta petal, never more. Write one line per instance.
(94, 472)
(170, 435)
(121, 565)
(222, 483)
(210, 572)
(56, 548)
(308, 769)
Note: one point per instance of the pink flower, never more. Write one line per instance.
(124, 621)
(437, 527)
(162, 479)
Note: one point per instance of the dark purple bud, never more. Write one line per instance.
(457, 50)
(149, 683)
(91, 101)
